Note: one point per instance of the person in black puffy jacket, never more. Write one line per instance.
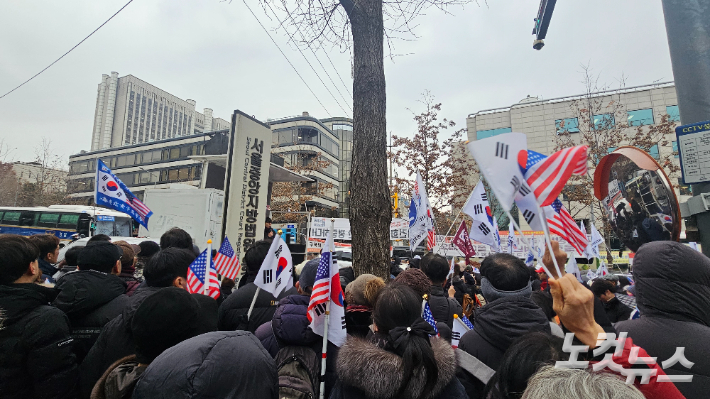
(220, 364)
(233, 311)
(167, 268)
(443, 308)
(509, 314)
(673, 297)
(36, 357)
(93, 295)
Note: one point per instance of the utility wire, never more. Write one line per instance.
(70, 50)
(313, 69)
(289, 61)
(338, 73)
(303, 38)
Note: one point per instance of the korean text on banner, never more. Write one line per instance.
(246, 182)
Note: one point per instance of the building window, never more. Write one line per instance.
(329, 145)
(675, 148)
(603, 121)
(640, 117)
(653, 151)
(569, 125)
(307, 135)
(343, 127)
(482, 134)
(673, 113)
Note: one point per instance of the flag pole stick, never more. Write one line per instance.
(208, 269)
(546, 230)
(515, 225)
(327, 316)
(253, 301)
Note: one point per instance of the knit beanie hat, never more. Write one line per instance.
(414, 279)
(165, 319)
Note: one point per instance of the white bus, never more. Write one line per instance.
(65, 221)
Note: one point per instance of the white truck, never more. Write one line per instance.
(197, 211)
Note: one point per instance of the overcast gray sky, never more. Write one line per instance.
(215, 53)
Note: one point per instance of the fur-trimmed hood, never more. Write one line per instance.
(378, 372)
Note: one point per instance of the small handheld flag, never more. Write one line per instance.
(276, 272)
(428, 317)
(197, 273)
(326, 288)
(466, 321)
(573, 268)
(548, 177)
(458, 330)
(112, 193)
(226, 263)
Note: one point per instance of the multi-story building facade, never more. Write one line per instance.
(130, 111)
(311, 148)
(343, 129)
(543, 120)
(52, 180)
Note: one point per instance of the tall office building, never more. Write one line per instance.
(130, 111)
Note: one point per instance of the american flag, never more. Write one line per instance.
(466, 321)
(321, 287)
(196, 276)
(430, 240)
(562, 224)
(428, 317)
(327, 288)
(548, 177)
(226, 263)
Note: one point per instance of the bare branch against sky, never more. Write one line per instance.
(216, 53)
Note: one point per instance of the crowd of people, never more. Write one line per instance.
(115, 320)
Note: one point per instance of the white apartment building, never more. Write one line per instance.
(130, 111)
(543, 120)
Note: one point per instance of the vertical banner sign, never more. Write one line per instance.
(246, 182)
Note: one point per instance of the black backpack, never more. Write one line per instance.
(298, 368)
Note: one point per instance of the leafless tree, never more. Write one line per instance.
(361, 26)
(443, 163)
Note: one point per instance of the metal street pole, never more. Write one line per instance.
(688, 29)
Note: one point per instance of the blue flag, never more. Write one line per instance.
(112, 193)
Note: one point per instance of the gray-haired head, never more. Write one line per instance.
(552, 383)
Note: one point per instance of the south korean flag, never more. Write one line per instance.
(112, 193)
(478, 208)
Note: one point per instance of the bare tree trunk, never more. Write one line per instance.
(370, 214)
